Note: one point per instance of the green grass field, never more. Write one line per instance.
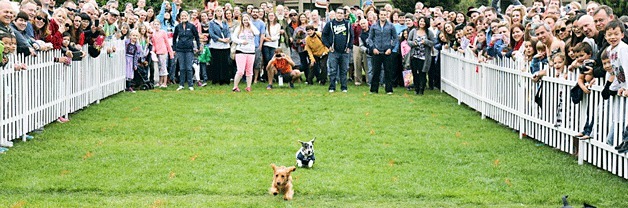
(213, 148)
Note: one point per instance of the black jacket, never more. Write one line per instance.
(183, 40)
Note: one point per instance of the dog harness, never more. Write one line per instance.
(305, 159)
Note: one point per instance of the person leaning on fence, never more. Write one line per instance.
(584, 64)
(282, 64)
(618, 55)
(8, 44)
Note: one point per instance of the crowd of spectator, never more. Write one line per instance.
(359, 44)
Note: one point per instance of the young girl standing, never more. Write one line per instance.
(244, 37)
(161, 48)
(133, 54)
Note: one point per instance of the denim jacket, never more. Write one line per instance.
(217, 31)
(382, 38)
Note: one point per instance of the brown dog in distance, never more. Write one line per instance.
(282, 181)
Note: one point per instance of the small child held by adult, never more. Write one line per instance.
(584, 64)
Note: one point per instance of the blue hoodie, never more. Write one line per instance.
(338, 34)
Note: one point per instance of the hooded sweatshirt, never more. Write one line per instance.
(338, 34)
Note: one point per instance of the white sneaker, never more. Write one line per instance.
(191, 89)
(204, 84)
(344, 90)
(389, 93)
(332, 91)
(6, 144)
(179, 88)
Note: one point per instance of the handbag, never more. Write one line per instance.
(408, 78)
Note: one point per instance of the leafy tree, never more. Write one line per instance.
(619, 7)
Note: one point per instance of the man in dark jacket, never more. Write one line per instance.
(183, 41)
(382, 39)
(337, 36)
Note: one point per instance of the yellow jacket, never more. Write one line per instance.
(314, 46)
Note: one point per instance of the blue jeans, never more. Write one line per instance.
(185, 66)
(268, 53)
(337, 66)
(203, 72)
(172, 68)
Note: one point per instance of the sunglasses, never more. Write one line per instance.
(40, 18)
(72, 10)
(563, 29)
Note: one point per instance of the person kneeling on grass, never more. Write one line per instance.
(282, 63)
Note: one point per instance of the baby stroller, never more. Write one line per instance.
(141, 80)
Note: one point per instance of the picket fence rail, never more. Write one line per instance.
(37, 96)
(503, 91)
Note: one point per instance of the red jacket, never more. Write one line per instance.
(55, 37)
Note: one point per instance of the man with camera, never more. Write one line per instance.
(282, 64)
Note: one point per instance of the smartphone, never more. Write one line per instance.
(76, 56)
(497, 36)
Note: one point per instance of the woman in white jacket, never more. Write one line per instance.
(271, 38)
(244, 38)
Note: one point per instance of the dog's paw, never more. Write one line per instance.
(310, 164)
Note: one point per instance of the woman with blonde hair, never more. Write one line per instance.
(244, 38)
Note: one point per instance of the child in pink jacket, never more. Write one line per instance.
(161, 48)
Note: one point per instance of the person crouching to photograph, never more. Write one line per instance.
(283, 64)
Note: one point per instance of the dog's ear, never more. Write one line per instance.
(301, 142)
(291, 169)
(313, 140)
(273, 166)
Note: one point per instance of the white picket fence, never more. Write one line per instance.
(500, 90)
(37, 96)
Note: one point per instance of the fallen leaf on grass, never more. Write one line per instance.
(65, 172)
(367, 113)
(99, 143)
(194, 157)
(87, 155)
(19, 204)
(197, 129)
(172, 175)
(157, 203)
(395, 179)
(496, 162)
(507, 181)
(298, 130)
(465, 143)
(458, 134)
(135, 109)
(391, 163)
(372, 132)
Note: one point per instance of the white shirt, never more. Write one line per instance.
(619, 61)
(274, 35)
